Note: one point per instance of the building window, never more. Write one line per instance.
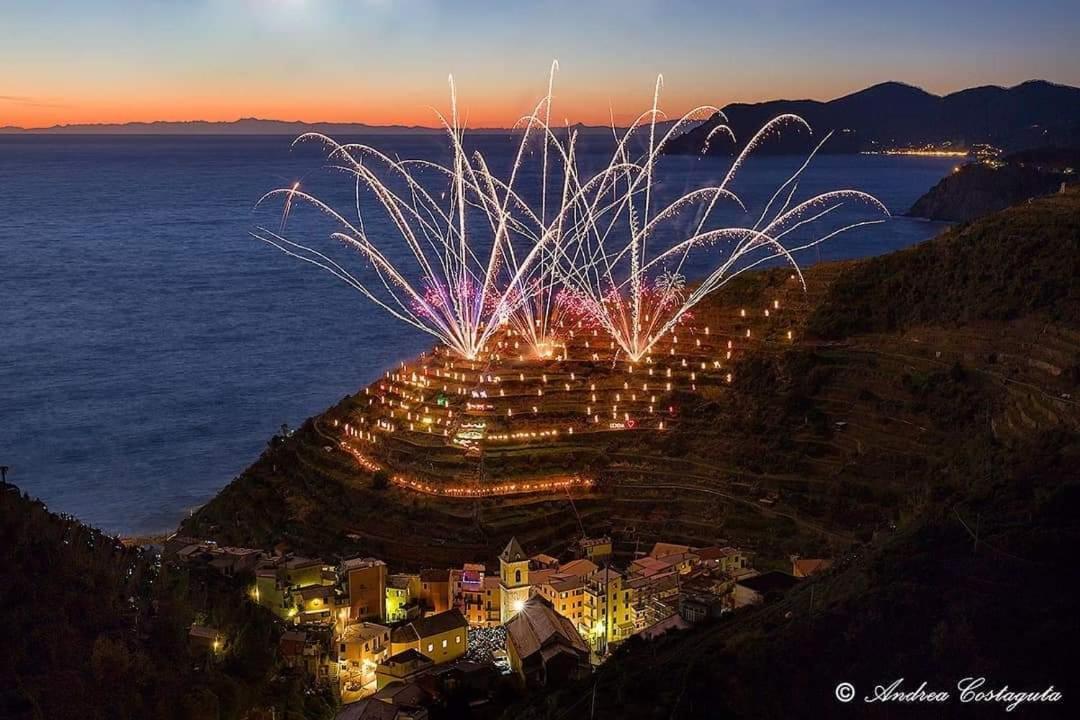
(430, 647)
(444, 644)
(457, 639)
(517, 576)
(342, 647)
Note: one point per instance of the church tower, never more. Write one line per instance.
(513, 580)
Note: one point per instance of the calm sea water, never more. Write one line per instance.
(151, 347)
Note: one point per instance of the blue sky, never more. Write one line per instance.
(387, 60)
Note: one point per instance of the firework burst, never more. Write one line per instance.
(623, 252)
(476, 253)
(570, 250)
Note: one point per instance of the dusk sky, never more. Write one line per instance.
(386, 61)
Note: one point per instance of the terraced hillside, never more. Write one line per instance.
(845, 411)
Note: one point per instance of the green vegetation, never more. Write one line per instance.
(1021, 261)
(96, 630)
(926, 603)
(930, 404)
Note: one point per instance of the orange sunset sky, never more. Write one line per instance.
(386, 61)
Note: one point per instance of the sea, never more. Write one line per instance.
(150, 346)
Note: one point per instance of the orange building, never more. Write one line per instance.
(435, 590)
(365, 579)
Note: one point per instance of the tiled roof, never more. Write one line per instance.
(513, 552)
(429, 626)
(662, 549)
(538, 627)
(407, 656)
(581, 568)
(808, 566)
(715, 553)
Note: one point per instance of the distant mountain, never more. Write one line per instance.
(244, 126)
(1035, 113)
(892, 114)
(257, 126)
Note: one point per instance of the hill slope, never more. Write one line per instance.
(905, 373)
(977, 580)
(96, 630)
(928, 604)
(978, 189)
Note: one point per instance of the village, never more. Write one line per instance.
(390, 644)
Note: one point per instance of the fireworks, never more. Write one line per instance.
(602, 250)
(445, 285)
(631, 279)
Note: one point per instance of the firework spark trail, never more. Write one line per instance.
(453, 294)
(594, 250)
(614, 220)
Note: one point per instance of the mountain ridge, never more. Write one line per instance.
(893, 114)
(890, 90)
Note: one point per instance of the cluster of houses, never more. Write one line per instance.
(402, 638)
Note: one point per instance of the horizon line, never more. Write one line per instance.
(11, 129)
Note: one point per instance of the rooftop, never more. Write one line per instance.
(803, 567)
(407, 657)
(363, 631)
(359, 563)
(716, 553)
(513, 552)
(662, 549)
(538, 626)
(429, 626)
(582, 568)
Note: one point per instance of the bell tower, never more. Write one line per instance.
(513, 580)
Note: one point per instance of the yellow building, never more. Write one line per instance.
(365, 579)
(401, 668)
(270, 592)
(303, 572)
(361, 647)
(402, 591)
(441, 637)
(278, 580)
(566, 593)
(492, 600)
(595, 549)
(314, 603)
(544, 648)
(513, 580)
(608, 613)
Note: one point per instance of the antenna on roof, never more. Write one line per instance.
(578, 516)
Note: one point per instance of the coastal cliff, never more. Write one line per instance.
(980, 188)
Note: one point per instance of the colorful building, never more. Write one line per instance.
(441, 637)
(402, 597)
(401, 667)
(365, 579)
(513, 580)
(435, 590)
(608, 611)
(544, 648)
(595, 549)
(361, 647)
